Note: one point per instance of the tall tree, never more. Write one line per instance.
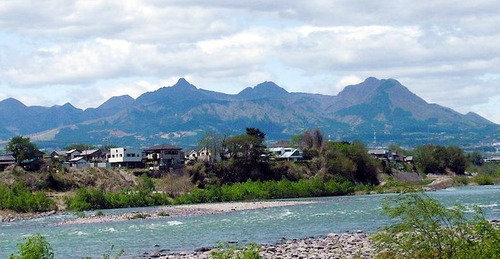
(79, 146)
(256, 133)
(21, 148)
(214, 142)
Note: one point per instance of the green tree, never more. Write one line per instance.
(34, 247)
(456, 160)
(21, 148)
(79, 146)
(427, 229)
(214, 142)
(475, 158)
(350, 160)
(436, 159)
(256, 133)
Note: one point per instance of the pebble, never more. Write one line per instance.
(345, 245)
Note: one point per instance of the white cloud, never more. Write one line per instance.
(440, 50)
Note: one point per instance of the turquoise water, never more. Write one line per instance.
(329, 214)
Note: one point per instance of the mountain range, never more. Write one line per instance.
(376, 111)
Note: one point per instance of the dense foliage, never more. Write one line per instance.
(34, 247)
(427, 229)
(21, 148)
(95, 199)
(18, 198)
(252, 190)
(436, 159)
(245, 158)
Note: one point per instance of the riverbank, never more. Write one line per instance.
(184, 211)
(345, 245)
(11, 216)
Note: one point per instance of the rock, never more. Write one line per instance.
(203, 249)
(440, 183)
(155, 254)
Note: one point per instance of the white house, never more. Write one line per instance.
(127, 157)
(286, 153)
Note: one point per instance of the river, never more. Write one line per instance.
(326, 215)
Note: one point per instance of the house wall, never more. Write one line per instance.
(123, 155)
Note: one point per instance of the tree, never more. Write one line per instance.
(350, 160)
(21, 148)
(79, 146)
(311, 139)
(246, 147)
(436, 159)
(214, 142)
(475, 158)
(256, 133)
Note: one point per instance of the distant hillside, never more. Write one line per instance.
(375, 110)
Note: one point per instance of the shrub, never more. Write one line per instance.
(139, 216)
(18, 198)
(426, 229)
(462, 180)
(92, 198)
(483, 179)
(34, 247)
(163, 214)
(252, 190)
(226, 251)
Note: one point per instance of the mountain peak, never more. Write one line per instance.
(262, 90)
(12, 102)
(117, 102)
(182, 83)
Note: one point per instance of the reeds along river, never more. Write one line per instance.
(328, 214)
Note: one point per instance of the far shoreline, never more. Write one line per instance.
(186, 210)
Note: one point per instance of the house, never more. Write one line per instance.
(380, 153)
(91, 155)
(6, 160)
(77, 162)
(73, 153)
(286, 153)
(191, 157)
(408, 159)
(164, 157)
(126, 157)
(493, 159)
(203, 154)
(59, 154)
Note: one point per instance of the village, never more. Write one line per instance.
(163, 157)
(166, 157)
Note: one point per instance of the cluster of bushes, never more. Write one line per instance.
(424, 228)
(252, 190)
(20, 199)
(95, 199)
(436, 159)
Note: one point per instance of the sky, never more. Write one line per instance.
(84, 52)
